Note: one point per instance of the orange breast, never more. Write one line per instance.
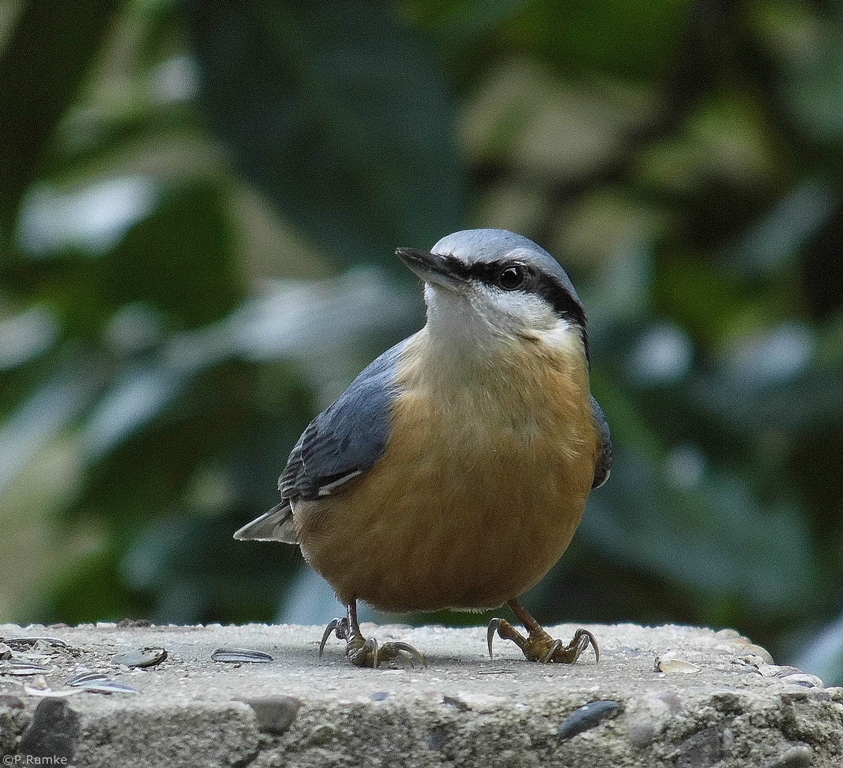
(482, 486)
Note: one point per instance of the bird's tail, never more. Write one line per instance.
(275, 525)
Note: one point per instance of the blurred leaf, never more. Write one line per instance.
(96, 257)
(823, 653)
(41, 69)
(796, 407)
(73, 600)
(194, 571)
(89, 138)
(458, 25)
(521, 110)
(713, 538)
(339, 115)
(27, 335)
(48, 410)
(822, 267)
(151, 460)
(89, 218)
(795, 220)
(726, 141)
(138, 398)
(701, 297)
(180, 260)
(621, 37)
(814, 92)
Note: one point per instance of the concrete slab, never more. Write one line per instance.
(720, 702)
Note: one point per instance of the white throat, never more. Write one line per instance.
(470, 329)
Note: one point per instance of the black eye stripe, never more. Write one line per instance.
(458, 267)
(535, 282)
(490, 272)
(552, 290)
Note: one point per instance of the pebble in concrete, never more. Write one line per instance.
(588, 716)
(274, 714)
(796, 757)
(52, 733)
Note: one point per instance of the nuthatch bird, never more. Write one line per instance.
(454, 470)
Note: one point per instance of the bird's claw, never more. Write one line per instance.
(541, 647)
(335, 625)
(370, 654)
(363, 652)
(581, 640)
(405, 652)
(493, 627)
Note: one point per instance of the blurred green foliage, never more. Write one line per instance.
(198, 207)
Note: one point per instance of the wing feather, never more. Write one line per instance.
(341, 443)
(346, 439)
(604, 462)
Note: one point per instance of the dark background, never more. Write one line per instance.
(199, 204)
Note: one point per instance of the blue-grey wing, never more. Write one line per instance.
(342, 442)
(604, 462)
(347, 438)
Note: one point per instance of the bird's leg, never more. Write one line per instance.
(364, 652)
(538, 645)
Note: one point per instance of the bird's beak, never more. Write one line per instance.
(433, 268)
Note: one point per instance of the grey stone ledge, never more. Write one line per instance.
(723, 705)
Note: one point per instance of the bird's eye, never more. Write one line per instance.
(511, 277)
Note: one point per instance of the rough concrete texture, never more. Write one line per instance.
(722, 703)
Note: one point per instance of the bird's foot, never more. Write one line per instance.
(540, 646)
(365, 652)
